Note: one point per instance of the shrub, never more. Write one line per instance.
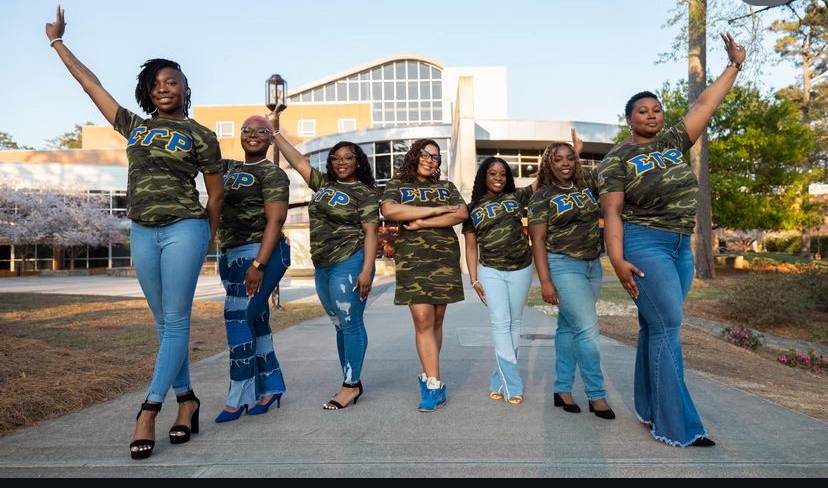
(812, 361)
(793, 244)
(743, 337)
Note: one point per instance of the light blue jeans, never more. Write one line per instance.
(661, 396)
(336, 287)
(578, 285)
(168, 261)
(254, 369)
(506, 293)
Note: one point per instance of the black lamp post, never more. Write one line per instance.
(276, 100)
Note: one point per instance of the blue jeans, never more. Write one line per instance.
(168, 261)
(661, 396)
(506, 293)
(335, 286)
(254, 369)
(578, 285)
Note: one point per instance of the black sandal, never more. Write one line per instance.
(335, 405)
(179, 433)
(142, 448)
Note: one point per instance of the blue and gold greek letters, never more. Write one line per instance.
(173, 141)
(645, 162)
(578, 199)
(489, 210)
(240, 179)
(136, 134)
(424, 194)
(336, 197)
(179, 142)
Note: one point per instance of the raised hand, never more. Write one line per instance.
(577, 143)
(55, 29)
(735, 52)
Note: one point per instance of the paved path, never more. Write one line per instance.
(384, 436)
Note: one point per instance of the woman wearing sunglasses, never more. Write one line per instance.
(427, 256)
(343, 237)
(254, 256)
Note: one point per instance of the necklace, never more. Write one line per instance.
(257, 162)
(571, 186)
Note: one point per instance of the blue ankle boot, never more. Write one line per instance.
(433, 399)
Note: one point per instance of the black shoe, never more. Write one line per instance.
(568, 407)
(604, 414)
(142, 448)
(335, 405)
(179, 434)
(703, 442)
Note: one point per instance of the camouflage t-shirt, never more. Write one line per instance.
(427, 261)
(659, 187)
(497, 223)
(571, 218)
(164, 158)
(337, 212)
(247, 187)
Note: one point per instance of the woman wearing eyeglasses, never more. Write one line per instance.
(343, 237)
(427, 256)
(254, 256)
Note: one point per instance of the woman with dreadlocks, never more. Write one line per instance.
(427, 256)
(343, 236)
(566, 244)
(170, 229)
(495, 225)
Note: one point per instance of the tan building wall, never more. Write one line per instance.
(70, 156)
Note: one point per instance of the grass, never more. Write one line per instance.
(61, 353)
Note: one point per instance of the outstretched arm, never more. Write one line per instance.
(297, 160)
(87, 79)
(709, 100)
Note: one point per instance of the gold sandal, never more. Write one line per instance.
(496, 395)
(516, 400)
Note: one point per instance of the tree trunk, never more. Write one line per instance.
(696, 82)
(805, 250)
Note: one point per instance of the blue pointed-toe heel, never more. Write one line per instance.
(261, 408)
(226, 416)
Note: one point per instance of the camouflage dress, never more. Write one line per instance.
(427, 261)
(337, 212)
(659, 187)
(571, 218)
(247, 187)
(164, 158)
(497, 222)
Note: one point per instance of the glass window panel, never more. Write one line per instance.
(412, 70)
(364, 91)
(388, 90)
(388, 71)
(398, 161)
(390, 115)
(330, 92)
(400, 69)
(442, 143)
(425, 110)
(353, 91)
(424, 71)
(412, 90)
(341, 91)
(383, 147)
(515, 169)
(400, 146)
(354, 77)
(317, 95)
(436, 90)
(529, 170)
(376, 73)
(376, 90)
(402, 115)
(388, 106)
(435, 73)
(367, 148)
(438, 110)
(413, 111)
(306, 96)
(383, 167)
(400, 91)
(377, 115)
(425, 90)
(293, 99)
(365, 75)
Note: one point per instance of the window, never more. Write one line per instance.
(347, 125)
(306, 127)
(225, 128)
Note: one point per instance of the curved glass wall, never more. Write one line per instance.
(403, 92)
(526, 162)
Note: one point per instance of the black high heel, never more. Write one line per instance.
(568, 407)
(604, 414)
(703, 442)
(179, 433)
(143, 447)
(335, 405)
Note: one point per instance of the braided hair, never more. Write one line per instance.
(407, 173)
(480, 190)
(363, 169)
(547, 177)
(146, 80)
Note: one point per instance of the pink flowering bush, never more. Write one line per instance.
(812, 361)
(743, 337)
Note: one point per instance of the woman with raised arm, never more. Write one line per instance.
(254, 255)
(343, 236)
(566, 243)
(170, 229)
(495, 226)
(648, 196)
(426, 256)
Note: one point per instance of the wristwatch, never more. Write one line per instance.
(736, 65)
(258, 265)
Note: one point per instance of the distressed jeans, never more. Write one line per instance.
(167, 262)
(661, 396)
(336, 287)
(506, 293)
(254, 369)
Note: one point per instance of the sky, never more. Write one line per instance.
(566, 59)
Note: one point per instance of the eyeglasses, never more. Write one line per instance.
(427, 155)
(348, 159)
(261, 131)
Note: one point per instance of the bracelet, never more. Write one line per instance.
(475, 282)
(53, 41)
(738, 66)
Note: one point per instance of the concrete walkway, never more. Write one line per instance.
(384, 436)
